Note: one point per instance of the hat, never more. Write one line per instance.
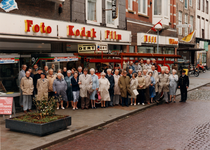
(103, 73)
(39, 68)
(43, 74)
(136, 61)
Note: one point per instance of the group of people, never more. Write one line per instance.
(138, 84)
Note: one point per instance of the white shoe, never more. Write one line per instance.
(134, 104)
(57, 108)
(131, 104)
(138, 103)
(143, 104)
(62, 107)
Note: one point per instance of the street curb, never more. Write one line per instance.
(102, 124)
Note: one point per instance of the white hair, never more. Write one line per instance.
(174, 70)
(59, 74)
(69, 71)
(116, 70)
(79, 67)
(148, 59)
(92, 69)
(109, 70)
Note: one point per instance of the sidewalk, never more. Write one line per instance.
(82, 121)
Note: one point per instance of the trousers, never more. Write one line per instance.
(183, 91)
(140, 97)
(146, 95)
(27, 102)
(116, 99)
(125, 101)
(85, 102)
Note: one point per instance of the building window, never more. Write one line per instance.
(94, 11)
(109, 21)
(203, 5)
(145, 50)
(180, 22)
(157, 8)
(203, 33)
(207, 7)
(191, 22)
(130, 4)
(166, 8)
(186, 22)
(199, 4)
(190, 2)
(142, 7)
(181, 0)
(186, 4)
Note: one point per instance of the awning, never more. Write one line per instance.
(56, 1)
(190, 49)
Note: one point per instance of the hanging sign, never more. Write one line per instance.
(6, 105)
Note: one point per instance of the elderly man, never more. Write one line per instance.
(156, 77)
(147, 84)
(31, 74)
(117, 93)
(35, 69)
(42, 88)
(154, 63)
(147, 66)
(27, 88)
(137, 66)
(183, 84)
(46, 71)
(36, 77)
(51, 77)
(85, 81)
(130, 66)
(22, 74)
(141, 63)
(164, 84)
(60, 87)
(124, 85)
(79, 70)
(64, 72)
(130, 73)
(110, 77)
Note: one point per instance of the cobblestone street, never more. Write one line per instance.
(174, 126)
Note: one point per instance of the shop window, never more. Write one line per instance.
(109, 21)
(180, 22)
(142, 7)
(130, 4)
(93, 11)
(145, 50)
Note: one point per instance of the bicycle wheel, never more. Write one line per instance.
(196, 74)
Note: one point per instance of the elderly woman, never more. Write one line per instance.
(173, 78)
(69, 88)
(152, 86)
(60, 87)
(140, 88)
(75, 89)
(133, 86)
(60, 71)
(104, 86)
(95, 87)
(117, 93)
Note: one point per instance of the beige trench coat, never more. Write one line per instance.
(141, 82)
(147, 81)
(163, 83)
(27, 86)
(86, 84)
(42, 89)
(133, 86)
(104, 89)
(156, 77)
(116, 87)
(51, 80)
(124, 85)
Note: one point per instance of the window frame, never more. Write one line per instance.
(186, 2)
(180, 22)
(190, 3)
(131, 4)
(186, 22)
(116, 21)
(98, 13)
(146, 8)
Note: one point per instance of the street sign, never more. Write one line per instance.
(183, 26)
(114, 9)
(6, 105)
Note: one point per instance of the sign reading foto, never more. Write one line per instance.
(6, 105)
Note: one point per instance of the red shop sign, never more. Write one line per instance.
(6, 105)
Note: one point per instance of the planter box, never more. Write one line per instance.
(38, 129)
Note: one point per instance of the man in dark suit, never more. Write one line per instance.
(183, 84)
(36, 77)
(110, 77)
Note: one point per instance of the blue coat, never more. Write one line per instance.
(95, 85)
(152, 88)
(112, 83)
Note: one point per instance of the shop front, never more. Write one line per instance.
(50, 43)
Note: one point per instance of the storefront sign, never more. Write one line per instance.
(143, 38)
(86, 48)
(6, 105)
(20, 26)
(65, 59)
(8, 60)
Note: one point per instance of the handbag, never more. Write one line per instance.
(90, 91)
(99, 96)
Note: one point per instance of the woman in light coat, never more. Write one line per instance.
(95, 87)
(60, 87)
(117, 93)
(133, 86)
(42, 88)
(104, 89)
(152, 87)
(173, 78)
(69, 88)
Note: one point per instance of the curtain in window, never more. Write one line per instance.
(158, 6)
(109, 13)
(92, 10)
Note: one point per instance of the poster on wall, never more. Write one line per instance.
(6, 105)
(8, 5)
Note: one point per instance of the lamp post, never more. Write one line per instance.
(158, 27)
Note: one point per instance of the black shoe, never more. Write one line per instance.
(174, 101)
(180, 101)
